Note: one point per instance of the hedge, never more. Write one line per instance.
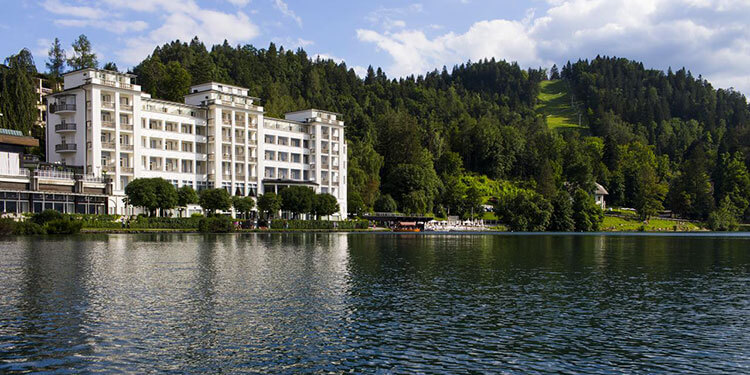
(320, 224)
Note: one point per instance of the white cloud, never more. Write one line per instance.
(115, 26)
(179, 19)
(710, 37)
(212, 27)
(292, 44)
(391, 18)
(58, 7)
(284, 9)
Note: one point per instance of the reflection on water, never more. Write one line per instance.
(403, 303)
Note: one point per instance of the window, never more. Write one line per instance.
(283, 156)
(296, 142)
(296, 158)
(270, 172)
(283, 141)
(296, 174)
(270, 139)
(306, 143)
(270, 155)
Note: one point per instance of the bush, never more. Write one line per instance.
(216, 224)
(7, 226)
(28, 228)
(320, 224)
(63, 226)
(45, 216)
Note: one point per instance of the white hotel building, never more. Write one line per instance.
(218, 138)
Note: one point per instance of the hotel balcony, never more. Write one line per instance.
(226, 139)
(227, 157)
(55, 108)
(108, 145)
(108, 105)
(108, 124)
(126, 170)
(109, 168)
(66, 127)
(252, 159)
(126, 127)
(124, 147)
(66, 147)
(126, 107)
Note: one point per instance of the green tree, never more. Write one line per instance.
(152, 194)
(562, 213)
(151, 73)
(733, 181)
(587, 215)
(649, 193)
(354, 204)
(523, 210)
(186, 195)
(325, 205)
(17, 97)
(471, 206)
(213, 200)
(243, 205)
(724, 218)
(111, 66)
(385, 203)
(269, 204)
(56, 63)
(176, 83)
(297, 199)
(83, 55)
(415, 203)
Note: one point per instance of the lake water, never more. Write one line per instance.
(291, 303)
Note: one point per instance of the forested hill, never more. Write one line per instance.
(446, 141)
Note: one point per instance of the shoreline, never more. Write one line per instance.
(489, 231)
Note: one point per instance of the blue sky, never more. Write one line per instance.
(709, 37)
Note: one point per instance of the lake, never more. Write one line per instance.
(385, 303)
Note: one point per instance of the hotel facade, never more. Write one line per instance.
(218, 138)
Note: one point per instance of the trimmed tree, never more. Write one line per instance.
(186, 195)
(243, 205)
(213, 200)
(269, 204)
(325, 205)
(297, 199)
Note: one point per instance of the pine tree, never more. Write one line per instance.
(83, 55)
(56, 63)
(17, 98)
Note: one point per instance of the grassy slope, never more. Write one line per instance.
(616, 224)
(554, 103)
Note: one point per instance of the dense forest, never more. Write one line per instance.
(448, 141)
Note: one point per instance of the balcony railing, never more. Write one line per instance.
(227, 156)
(57, 107)
(226, 139)
(65, 127)
(127, 170)
(22, 172)
(108, 105)
(126, 127)
(126, 107)
(126, 147)
(108, 124)
(108, 168)
(66, 147)
(108, 145)
(53, 174)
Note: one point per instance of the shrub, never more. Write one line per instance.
(63, 226)
(45, 216)
(320, 224)
(28, 228)
(216, 224)
(7, 226)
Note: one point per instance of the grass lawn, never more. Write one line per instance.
(614, 224)
(554, 103)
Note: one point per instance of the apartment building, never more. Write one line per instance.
(218, 138)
